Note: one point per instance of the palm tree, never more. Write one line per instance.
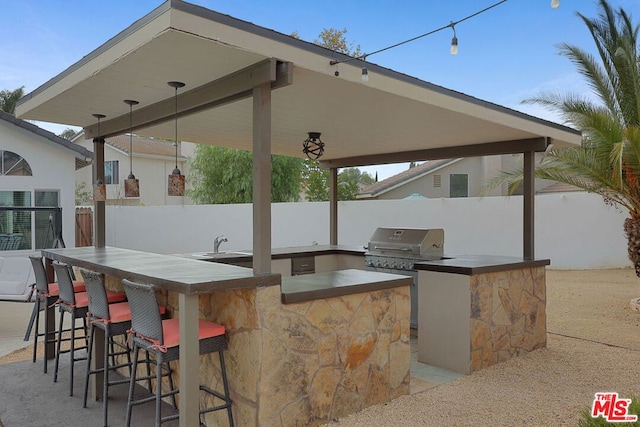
(608, 161)
(8, 99)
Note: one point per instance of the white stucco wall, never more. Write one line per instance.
(574, 230)
(52, 166)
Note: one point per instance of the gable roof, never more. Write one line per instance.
(222, 59)
(411, 174)
(83, 156)
(559, 187)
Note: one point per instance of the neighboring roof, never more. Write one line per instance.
(392, 114)
(83, 156)
(145, 145)
(411, 174)
(559, 187)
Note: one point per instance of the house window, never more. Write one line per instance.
(44, 220)
(15, 227)
(437, 181)
(458, 185)
(12, 164)
(25, 230)
(111, 172)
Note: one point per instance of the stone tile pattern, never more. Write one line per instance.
(308, 363)
(508, 315)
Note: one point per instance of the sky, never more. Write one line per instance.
(506, 54)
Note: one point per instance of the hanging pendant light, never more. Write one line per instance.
(99, 187)
(176, 179)
(131, 184)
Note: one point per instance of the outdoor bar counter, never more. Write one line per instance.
(337, 343)
(477, 310)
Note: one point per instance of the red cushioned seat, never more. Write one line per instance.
(82, 298)
(121, 312)
(54, 288)
(171, 331)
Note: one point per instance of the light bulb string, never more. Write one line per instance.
(450, 25)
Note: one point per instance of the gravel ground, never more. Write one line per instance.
(593, 346)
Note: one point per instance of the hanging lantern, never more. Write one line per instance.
(99, 191)
(313, 146)
(131, 184)
(176, 183)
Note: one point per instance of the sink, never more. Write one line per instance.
(221, 254)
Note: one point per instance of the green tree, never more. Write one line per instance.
(8, 99)
(222, 175)
(316, 180)
(68, 133)
(334, 39)
(608, 161)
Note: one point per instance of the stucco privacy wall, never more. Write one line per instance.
(574, 230)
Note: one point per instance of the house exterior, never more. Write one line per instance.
(152, 162)
(461, 177)
(36, 169)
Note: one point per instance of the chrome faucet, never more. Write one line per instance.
(217, 241)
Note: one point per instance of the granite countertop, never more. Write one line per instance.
(277, 253)
(337, 283)
(478, 264)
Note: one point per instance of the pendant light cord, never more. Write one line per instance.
(131, 139)
(176, 124)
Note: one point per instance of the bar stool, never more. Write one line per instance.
(162, 337)
(77, 305)
(114, 320)
(47, 294)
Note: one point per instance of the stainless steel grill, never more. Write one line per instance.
(396, 250)
(400, 248)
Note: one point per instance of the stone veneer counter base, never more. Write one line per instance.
(476, 311)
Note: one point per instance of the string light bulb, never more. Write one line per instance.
(555, 4)
(365, 74)
(454, 41)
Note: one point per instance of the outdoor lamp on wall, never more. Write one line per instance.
(176, 179)
(99, 188)
(313, 146)
(131, 184)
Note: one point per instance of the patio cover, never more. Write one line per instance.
(224, 61)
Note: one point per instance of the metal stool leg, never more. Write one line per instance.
(36, 306)
(34, 315)
(89, 356)
(58, 342)
(132, 382)
(225, 385)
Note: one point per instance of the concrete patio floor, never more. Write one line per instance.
(20, 379)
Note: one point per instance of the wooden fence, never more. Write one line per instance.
(84, 227)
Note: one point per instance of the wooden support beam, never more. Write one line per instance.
(99, 218)
(529, 193)
(487, 149)
(262, 179)
(230, 88)
(333, 206)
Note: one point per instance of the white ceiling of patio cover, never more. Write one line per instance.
(392, 113)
